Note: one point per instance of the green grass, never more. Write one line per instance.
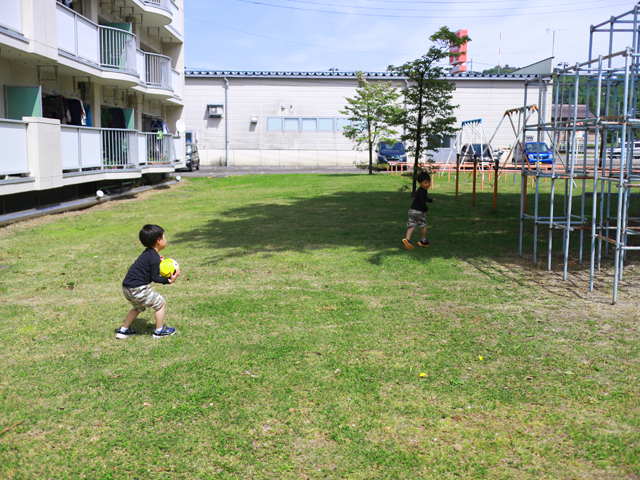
(303, 328)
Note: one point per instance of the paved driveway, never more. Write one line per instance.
(209, 171)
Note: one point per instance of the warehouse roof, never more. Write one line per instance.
(193, 72)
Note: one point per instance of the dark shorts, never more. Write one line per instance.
(416, 219)
(143, 297)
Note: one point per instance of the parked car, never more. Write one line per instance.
(534, 151)
(388, 152)
(193, 158)
(635, 150)
(469, 151)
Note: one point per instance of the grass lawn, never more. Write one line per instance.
(310, 344)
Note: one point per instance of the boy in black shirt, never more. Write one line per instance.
(418, 210)
(136, 288)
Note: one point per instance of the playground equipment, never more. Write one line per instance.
(597, 183)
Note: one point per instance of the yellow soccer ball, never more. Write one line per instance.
(168, 266)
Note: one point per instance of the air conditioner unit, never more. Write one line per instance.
(215, 110)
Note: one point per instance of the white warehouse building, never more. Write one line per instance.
(293, 118)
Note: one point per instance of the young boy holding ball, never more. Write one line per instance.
(136, 284)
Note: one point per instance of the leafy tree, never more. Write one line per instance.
(429, 113)
(500, 70)
(372, 111)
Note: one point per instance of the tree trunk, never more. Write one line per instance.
(418, 140)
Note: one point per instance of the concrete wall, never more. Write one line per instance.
(253, 145)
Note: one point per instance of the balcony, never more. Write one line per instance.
(103, 47)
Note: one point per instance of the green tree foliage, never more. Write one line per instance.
(372, 111)
(500, 70)
(428, 116)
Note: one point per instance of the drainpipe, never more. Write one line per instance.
(226, 120)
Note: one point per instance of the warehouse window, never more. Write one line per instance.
(325, 124)
(341, 123)
(307, 124)
(291, 124)
(274, 123)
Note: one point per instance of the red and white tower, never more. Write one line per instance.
(459, 62)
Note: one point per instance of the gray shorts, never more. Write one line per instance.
(416, 219)
(143, 297)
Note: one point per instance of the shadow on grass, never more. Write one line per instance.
(374, 222)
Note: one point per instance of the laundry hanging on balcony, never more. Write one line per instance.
(159, 126)
(117, 118)
(55, 106)
(77, 112)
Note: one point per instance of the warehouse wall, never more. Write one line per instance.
(253, 144)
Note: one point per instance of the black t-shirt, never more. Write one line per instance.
(420, 200)
(144, 270)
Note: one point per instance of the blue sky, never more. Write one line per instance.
(369, 35)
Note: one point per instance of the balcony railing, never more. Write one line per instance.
(77, 35)
(11, 15)
(81, 147)
(118, 49)
(156, 148)
(175, 83)
(159, 3)
(98, 44)
(119, 148)
(13, 138)
(176, 23)
(158, 70)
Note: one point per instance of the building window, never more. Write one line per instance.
(291, 124)
(309, 124)
(341, 123)
(274, 123)
(325, 124)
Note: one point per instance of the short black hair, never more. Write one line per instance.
(422, 176)
(150, 234)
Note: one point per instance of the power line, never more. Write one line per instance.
(439, 2)
(291, 41)
(432, 17)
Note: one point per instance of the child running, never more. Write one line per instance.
(417, 212)
(136, 285)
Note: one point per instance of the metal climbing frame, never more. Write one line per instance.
(595, 124)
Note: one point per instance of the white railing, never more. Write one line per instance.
(175, 83)
(141, 65)
(175, 150)
(118, 49)
(159, 3)
(119, 148)
(158, 70)
(157, 148)
(80, 147)
(13, 138)
(11, 15)
(77, 35)
(176, 23)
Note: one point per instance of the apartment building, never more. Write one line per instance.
(293, 118)
(91, 96)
